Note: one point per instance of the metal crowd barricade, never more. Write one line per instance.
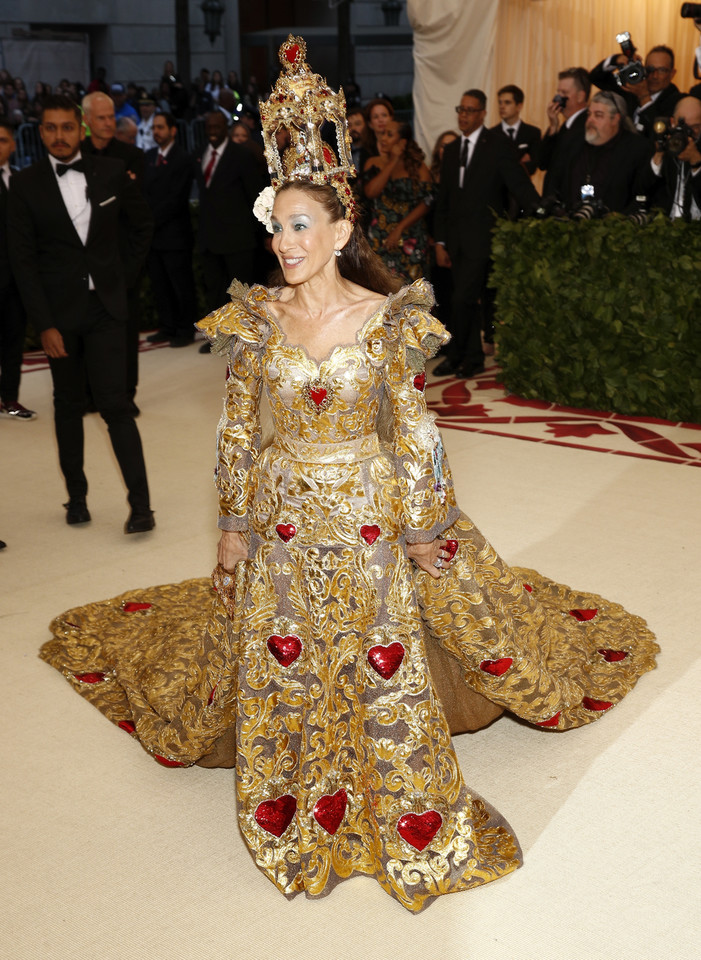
(28, 145)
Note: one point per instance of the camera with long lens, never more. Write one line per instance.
(691, 11)
(673, 138)
(589, 209)
(632, 72)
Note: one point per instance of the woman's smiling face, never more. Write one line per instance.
(304, 236)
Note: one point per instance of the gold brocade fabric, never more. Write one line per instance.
(315, 650)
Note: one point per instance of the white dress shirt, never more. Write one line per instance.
(6, 173)
(74, 191)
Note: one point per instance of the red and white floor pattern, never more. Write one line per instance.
(482, 405)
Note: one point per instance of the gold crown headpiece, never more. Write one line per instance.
(301, 102)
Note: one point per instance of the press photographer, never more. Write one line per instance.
(677, 162)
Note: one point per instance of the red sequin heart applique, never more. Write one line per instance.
(132, 606)
(291, 54)
(127, 725)
(318, 395)
(285, 649)
(583, 615)
(370, 533)
(275, 816)
(613, 656)
(420, 381)
(286, 531)
(496, 667)
(452, 547)
(552, 722)
(419, 829)
(330, 809)
(90, 677)
(598, 705)
(528, 587)
(386, 660)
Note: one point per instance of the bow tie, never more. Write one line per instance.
(61, 168)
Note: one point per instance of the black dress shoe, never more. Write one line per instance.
(2, 544)
(447, 368)
(77, 511)
(160, 336)
(467, 371)
(206, 348)
(140, 522)
(133, 409)
(181, 341)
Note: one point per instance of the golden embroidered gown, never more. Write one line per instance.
(315, 651)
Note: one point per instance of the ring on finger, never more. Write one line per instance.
(438, 563)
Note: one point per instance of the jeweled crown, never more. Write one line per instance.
(301, 103)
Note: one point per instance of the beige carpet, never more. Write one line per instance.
(107, 856)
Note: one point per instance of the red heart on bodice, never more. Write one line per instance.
(583, 615)
(599, 705)
(90, 677)
(132, 607)
(370, 532)
(318, 395)
(552, 722)
(292, 53)
(452, 547)
(275, 816)
(386, 660)
(496, 667)
(127, 725)
(613, 656)
(285, 649)
(286, 531)
(528, 587)
(330, 809)
(419, 829)
(420, 381)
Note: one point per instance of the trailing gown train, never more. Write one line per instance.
(309, 666)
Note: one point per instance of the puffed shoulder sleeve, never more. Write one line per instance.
(413, 337)
(240, 330)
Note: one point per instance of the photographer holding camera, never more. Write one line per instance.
(567, 115)
(677, 162)
(648, 93)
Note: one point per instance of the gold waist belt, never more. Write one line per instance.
(347, 451)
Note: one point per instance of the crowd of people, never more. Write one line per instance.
(618, 151)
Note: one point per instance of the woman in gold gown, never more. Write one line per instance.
(343, 562)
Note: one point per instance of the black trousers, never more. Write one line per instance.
(96, 353)
(173, 285)
(219, 269)
(469, 293)
(13, 326)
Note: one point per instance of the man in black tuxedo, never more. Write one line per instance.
(98, 109)
(612, 167)
(229, 181)
(478, 173)
(655, 96)
(167, 183)
(524, 136)
(63, 216)
(13, 322)
(567, 116)
(679, 177)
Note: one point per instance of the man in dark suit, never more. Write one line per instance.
(229, 181)
(98, 109)
(478, 173)
(167, 183)
(655, 96)
(63, 217)
(678, 178)
(12, 318)
(567, 115)
(612, 167)
(524, 136)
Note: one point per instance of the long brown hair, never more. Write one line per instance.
(357, 262)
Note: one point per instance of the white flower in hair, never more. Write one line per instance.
(263, 207)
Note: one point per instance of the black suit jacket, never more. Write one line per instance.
(557, 149)
(50, 263)
(527, 141)
(226, 223)
(5, 268)
(663, 106)
(465, 215)
(666, 184)
(626, 161)
(132, 157)
(167, 192)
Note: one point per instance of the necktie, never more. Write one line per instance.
(61, 168)
(463, 153)
(4, 185)
(512, 133)
(210, 168)
(161, 160)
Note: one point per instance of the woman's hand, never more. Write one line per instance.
(231, 550)
(397, 151)
(392, 239)
(432, 557)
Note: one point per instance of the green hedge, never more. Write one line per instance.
(603, 314)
